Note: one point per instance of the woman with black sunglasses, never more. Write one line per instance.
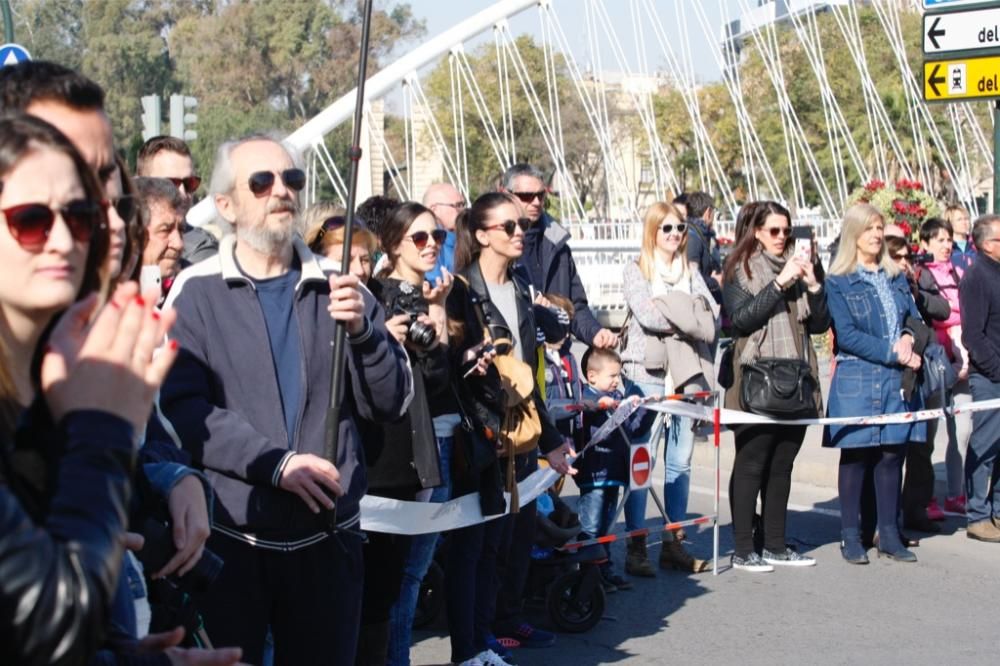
(662, 271)
(407, 459)
(776, 300)
(490, 239)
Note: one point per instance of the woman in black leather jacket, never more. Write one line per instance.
(59, 563)
(775, 300)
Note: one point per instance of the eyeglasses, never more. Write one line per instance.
(261, 182)
(528, 197)
(681, 228)
(126, 206)
(902, 257)
(460, 205)
(420, 238)
(774, 231)
(31, 223)
(191, 183)
(509, 226)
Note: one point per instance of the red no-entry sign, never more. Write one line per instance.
(640, 466)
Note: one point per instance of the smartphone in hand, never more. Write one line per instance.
(803, 242)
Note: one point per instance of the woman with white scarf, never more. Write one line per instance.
(662, 268)
(775, 299)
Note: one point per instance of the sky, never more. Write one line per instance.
(443, 14)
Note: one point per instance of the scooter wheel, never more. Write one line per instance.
(573, 606)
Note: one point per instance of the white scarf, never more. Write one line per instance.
(674, 276)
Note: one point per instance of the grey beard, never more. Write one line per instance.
(267, 241)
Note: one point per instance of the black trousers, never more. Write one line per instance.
(310, 599)
(514, 554)
(764, 458)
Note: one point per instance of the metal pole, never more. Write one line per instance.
(8, 21)
(996, 157)
(330, 445)
(717, 427)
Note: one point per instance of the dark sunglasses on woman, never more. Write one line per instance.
(191, 183)
(30, 224)
(509, 226)
(420, 238)
(261, 182)
(668, 228)
(126, 206)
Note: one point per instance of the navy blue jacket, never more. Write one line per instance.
(221, 397)
(979, 303)
(702, 251)
(559, 276)
(606, 463)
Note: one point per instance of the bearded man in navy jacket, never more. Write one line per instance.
(248, 400)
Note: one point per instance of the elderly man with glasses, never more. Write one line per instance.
(447, 203)
(248, 400)
(548, 260)
(979, 303)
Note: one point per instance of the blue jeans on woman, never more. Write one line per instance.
(422, 548)
(677, 452)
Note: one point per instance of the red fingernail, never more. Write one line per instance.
(114, 304)
(174, 345)
(139, 300)
(156, 315)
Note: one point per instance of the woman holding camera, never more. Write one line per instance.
(870, 300)
(90, 381)
(775, 299)
(490, 238)
(407, 458)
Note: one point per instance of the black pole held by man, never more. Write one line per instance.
(340, 332)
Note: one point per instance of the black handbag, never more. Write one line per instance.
(783, 388)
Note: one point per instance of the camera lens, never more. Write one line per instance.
(421, 334)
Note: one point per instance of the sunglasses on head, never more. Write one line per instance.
(528, 197)
(420, 238)
(31, 223)
(509, 226)
(681, 228)
(261, 182)
(191, 183)
(774, 231)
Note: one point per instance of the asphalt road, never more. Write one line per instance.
(941, 610)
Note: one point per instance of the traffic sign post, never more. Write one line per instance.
(968, 33)
(11, 54)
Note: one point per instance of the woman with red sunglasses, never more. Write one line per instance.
(72, 398)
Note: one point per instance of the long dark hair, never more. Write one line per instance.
(393, 229)
(19, 135)
(471, 220)
(751, 218)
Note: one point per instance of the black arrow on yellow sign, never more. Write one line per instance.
(934, 80)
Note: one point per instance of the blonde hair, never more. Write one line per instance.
(320, 241)
(857, 219)
(952, 212)
(651, 224)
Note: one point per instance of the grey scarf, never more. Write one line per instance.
(780, 337)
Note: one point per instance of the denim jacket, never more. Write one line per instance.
(867, 378)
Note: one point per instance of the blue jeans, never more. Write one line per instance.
(422, 548)
(982, 460)
(596, 509)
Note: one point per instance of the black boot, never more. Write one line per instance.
(851, 548)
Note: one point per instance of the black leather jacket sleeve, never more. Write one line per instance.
(748, 313)
(57, 580)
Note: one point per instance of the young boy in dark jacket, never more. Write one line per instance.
(603, 468)
(563, 386)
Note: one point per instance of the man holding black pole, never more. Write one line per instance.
(248, 400)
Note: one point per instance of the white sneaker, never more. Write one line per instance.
(475, 661)
(789, 558)
(752, 563)
(491, 658)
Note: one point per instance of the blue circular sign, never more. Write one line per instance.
(11, 54)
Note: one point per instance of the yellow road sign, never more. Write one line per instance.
(965, 78)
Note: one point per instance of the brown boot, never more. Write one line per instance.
(983, 530)
(636, 561)
(674, 556)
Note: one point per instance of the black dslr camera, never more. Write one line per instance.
(409, 300)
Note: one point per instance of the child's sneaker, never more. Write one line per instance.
(955, 505)
(934, 511)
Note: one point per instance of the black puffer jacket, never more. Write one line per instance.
(57, 580)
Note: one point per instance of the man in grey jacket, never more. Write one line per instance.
(248, 400)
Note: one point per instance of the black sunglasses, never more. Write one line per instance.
(261, 182)
(191, 183)
(30, 224)
(126, 206)
(509, 226)
(420, 238)
(681, 228)
(528, 197)
(774, 231)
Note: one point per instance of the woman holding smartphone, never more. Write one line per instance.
(775, 299)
